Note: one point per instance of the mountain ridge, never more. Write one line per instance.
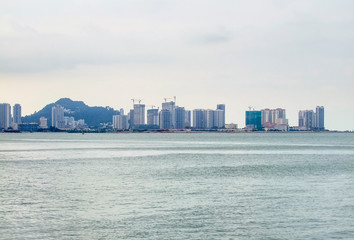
(93, 116)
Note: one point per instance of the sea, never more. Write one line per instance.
(177, 186)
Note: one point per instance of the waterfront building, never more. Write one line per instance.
(219, 118)
(152, 117)
(274, 119)
(221, 123)
(180, 118)
(43, 122)
(139, 114)
(16, 111)
(209, 119)
(5, 115)
(307, 120)
(254, 120)
(58, 117)
(165, 119)
(320, 118)
(131, 118)
(187, 118)
(170, 106)
(120, 122)
(199, 118)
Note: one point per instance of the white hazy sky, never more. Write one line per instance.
(264, 53)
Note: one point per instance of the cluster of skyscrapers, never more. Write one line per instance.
(310, 120)
(62, 122)
(170, 117)
(275, 119)
(6, 119)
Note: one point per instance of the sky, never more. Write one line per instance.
(261, 53)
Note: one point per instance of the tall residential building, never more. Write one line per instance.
(209, 119)
(307, 119)
(187, 119)
(152, 117)
(5, 115)
(274, 119)
(58, 116)
(254, 120)
(131, 118)
(219, 118)
(43, 122)
(165, 119)
(180, 117)
(170, 106)
(139, 114)
(320, 118)
(16, 111)
(120, 122)
(199, 118)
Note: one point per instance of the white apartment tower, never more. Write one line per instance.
(139, 114)
(16, 111)
(58, 116)
(5, 115)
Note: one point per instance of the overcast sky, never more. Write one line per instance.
(263, 53)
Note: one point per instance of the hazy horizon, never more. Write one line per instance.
(294, 55)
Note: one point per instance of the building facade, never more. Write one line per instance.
(16, 111)
(199, 118)
(5, 115)
(139, 114)
(165, 119)
(152, 117)
(254, 120)
(58, 117)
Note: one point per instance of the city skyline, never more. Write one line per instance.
(171, 116)
(266, 54)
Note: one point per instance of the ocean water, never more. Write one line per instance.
(177, 186)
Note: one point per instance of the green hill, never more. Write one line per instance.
(93, 116)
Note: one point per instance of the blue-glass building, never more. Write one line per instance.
(254, 120)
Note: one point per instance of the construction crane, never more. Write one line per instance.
(134, 100)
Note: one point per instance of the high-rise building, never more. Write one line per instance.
(180, 117)
(16, 111)
(209, 119)
(139, 114)
(199, 118)
(120, 122)
(152, 117)
(43, 122)
(165, 119)
(5, 115)
(254, 120)
(274, 119)
(187, 119)
(307, 119)
(320, 118)
(131, 118)
(219, 119)
(58, 117)
(170, 106)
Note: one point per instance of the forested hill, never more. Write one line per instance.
(93, 116)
